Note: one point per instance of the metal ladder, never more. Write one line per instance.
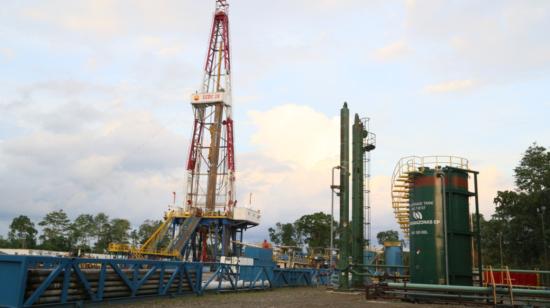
(369, 144)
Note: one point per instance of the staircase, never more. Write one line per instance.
(151, 246)
(400, 188)
(185, 231)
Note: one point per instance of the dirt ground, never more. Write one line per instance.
(281, 297)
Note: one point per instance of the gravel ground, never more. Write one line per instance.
(281, 297)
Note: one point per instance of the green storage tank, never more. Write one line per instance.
(428, 226)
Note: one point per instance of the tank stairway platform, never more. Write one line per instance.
(401, 182)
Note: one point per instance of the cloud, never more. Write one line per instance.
(95, 100)
(289, 172)
(495, 43)
(450, 86)
(295, 134)
(88, 172)
(102, 19)
(82, 152)
(6, 53)
(491, 179)
(392, 51)
(97, 16)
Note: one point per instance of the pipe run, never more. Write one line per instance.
(511, 270)
(467, 289)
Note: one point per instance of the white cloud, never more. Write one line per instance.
(491, 179)
(392, 51)
(289, 173)
(495, 43)
(128, 159)
(6, 53)
(295, 134)
(450, 86)
(103, 19)
(95, 167)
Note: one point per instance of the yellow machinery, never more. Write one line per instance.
(194, 234)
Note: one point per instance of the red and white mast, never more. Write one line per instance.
(211, 162)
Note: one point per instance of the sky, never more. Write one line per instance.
(95, 113)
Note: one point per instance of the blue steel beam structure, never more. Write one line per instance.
(33, 281)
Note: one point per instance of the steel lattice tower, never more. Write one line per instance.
(210, 223)
(211, 164)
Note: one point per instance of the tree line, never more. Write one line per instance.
(312, 230)
(517, 233)
(86, 233)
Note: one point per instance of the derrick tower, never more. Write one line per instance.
(211, 161)
(209, 225)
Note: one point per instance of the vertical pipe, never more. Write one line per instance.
(344, 195)
(357, 242)
(478, 233)
(331, 224)
(233, 240)
(224, 239)
(445, 221)
(332, 187)
(215, 234)
(241, 247)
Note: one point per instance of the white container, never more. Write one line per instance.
(242, 213)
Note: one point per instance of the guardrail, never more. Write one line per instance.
(34, 280)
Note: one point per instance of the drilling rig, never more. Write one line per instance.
(207, 225)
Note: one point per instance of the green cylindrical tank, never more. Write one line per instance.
(344, 196)
(440, 233)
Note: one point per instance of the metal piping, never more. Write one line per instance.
(344, 196)
(357, 236)
(469, 289)
(332, 188)
(478, 233)
(444, 201)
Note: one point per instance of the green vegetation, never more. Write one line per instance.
(312, 230)
(86, 233)
(518, 231)
(22, 232)
(55, 231)
(387, 236)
